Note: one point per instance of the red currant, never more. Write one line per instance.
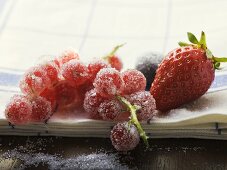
(75, 72)
(108, 82)
(18, 111)
(41, 109)
(134, 81)
(124, 136)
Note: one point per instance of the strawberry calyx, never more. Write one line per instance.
(113, 52)
(133, 119)
(202, 44)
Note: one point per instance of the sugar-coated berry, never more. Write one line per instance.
(18, 111)
(115, 62)
(108, 82)
(51, 70)
(95, 66)
(66, 56)
(34, 81)
(134, 81)
(41, 109)
(148, 65)
(124, 136)
(146, 103)
(50, 95)
(110, 109)
(65, 93)
(75, 72)
(92, 101)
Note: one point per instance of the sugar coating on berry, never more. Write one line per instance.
(108, 82)
(92, 101)
(124, 136)
(75, 72)
(95, 66)
(146, 103)
(110, 109)
(51, 70)
(115, 62)
(18, 111)
(134, 81)
(41, 109)
(64, 93)
(50, 95)
(34, 81)
(66, 56)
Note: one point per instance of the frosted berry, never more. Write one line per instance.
(134, 81)
(95, 66)
(18, 111)
(92, 101)
(146, 103)
(65, 93)
(75, 72)
(51, 70)
(148, 64)
(41, 109)
(115, 62)
(66, 56)
(50, 95)
(124, 136)
(108, 82)
(110, 109)
(34, 81)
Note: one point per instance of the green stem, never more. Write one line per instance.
(134, 120)
(113, 51)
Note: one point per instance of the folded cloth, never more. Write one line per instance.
(203, 118)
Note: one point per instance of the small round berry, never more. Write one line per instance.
(124, 136)
(108, 82)
(18, 111)
(110, 109)
(134, 81)
(65, 93)
(75, 72)
(146, 103)
(115, 62)
(34, 81)
(51, 70)
(50, 95)
(95, 66)
(41, 109)
(148, 65)
(92, 101)
(66, 56)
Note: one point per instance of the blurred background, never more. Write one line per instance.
(30, 29)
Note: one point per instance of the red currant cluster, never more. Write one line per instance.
(104, 92)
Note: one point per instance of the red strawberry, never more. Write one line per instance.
(185, 74)
(114, 60)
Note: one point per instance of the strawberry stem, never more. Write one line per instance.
(202, 44)
(134, 120)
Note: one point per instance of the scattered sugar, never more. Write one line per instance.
(32, 154)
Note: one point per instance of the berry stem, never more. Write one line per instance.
(133, 119)
(115, 49)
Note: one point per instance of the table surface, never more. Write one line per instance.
(98, 153)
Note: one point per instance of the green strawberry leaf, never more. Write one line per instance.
(209, 53)
(182, 44)
(192, 38)
(221, 59)
(217, 65)
(203, 40)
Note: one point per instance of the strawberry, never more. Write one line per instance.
(185, 74)
(113, 59)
